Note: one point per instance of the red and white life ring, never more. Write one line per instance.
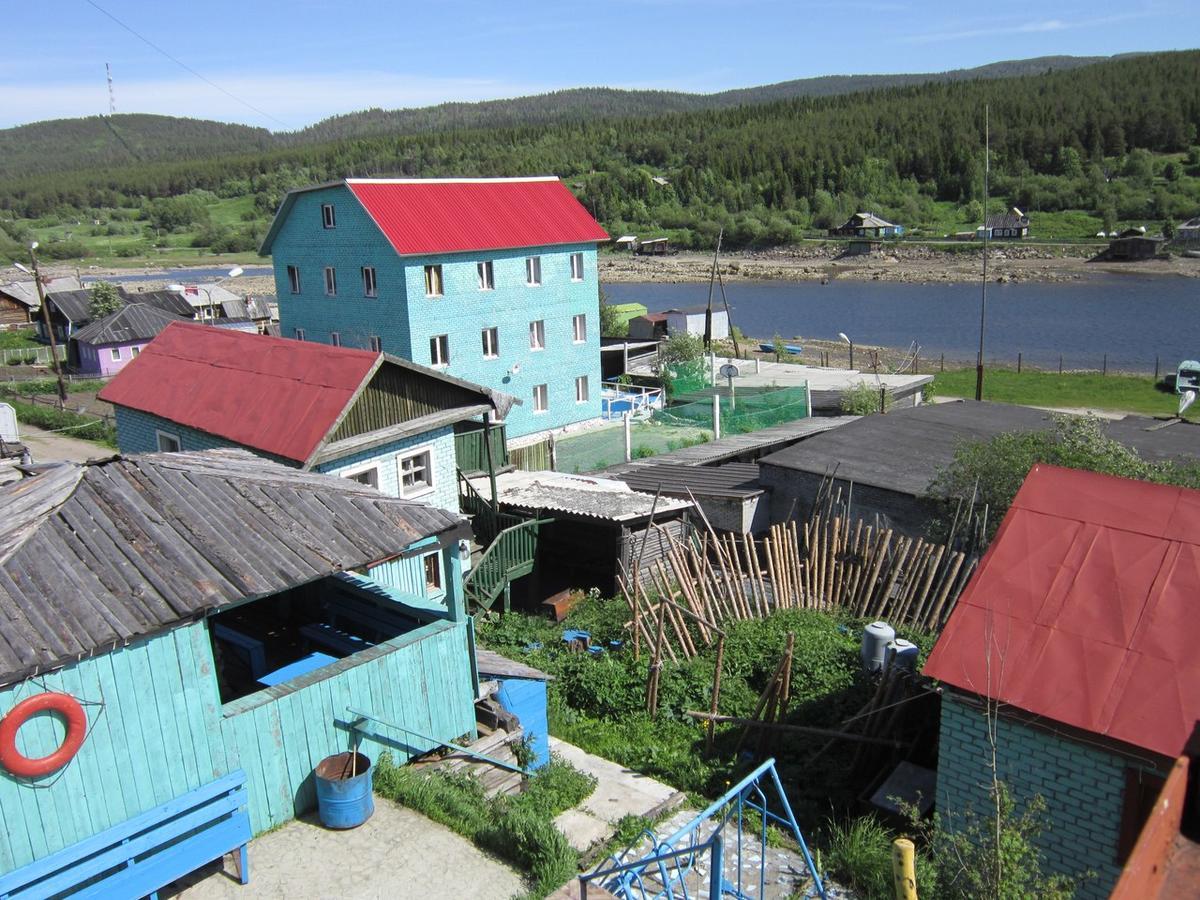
(21, 765)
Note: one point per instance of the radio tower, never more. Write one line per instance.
(112, 97)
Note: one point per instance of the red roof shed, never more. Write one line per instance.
(1082, 611)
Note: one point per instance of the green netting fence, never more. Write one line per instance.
(741, 413)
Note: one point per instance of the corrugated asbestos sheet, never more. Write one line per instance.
(99, 554)
(735, 480)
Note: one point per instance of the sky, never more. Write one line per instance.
(283, 66)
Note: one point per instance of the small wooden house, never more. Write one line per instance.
(1010, 225)
(867, 225)
(1070, 662)
(202, 612)
(1189, 231)
(19, 301)
(377, 419)
(1133, 244)
(105, 346)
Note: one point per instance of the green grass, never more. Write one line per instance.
(87, 428)
(1124, 393)
(18, 339)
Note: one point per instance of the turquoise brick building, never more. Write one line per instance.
(489, 280)
(1069, 652)
(367, 416)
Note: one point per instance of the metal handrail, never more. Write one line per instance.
(358, 725)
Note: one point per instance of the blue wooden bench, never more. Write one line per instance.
(326, 635)
(252, 650)
(139, 856)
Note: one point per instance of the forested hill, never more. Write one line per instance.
(68, 144)
(1118, 140)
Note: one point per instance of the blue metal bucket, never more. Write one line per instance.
(344, 798)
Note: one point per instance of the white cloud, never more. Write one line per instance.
(297, 100)
(1037, 26)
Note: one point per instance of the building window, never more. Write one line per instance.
(136, 350)
(577, 267)
(533, 270)
(433, 574)
(168, 443)
(433, 281)
(327, 216)
(537, 335)
(491, 343)
(416, 474)
(439, 350)
(330, 281)
(335, 339)
(487, 277)
(370, 289)
(540, 402)
(579, 328)
(581, 389)
(376, 343)
(299, 334)
(368, 476)
(294, 279)
(115, 352)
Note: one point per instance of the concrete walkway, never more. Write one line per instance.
(396, 853)
(52, 446)
(619, 792)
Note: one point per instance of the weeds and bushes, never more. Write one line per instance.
(36, 386)
(863, 399)
(86, 428)
(519, 829)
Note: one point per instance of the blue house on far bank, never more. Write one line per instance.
(359, 414)
(492, 280)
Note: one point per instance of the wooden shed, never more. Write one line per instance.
(204, 611)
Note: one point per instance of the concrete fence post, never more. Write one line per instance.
(716, 416)
(628, 437)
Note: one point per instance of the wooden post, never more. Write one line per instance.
(1018, 362)
(1104, 370)
(904, 872)
(1060, 364)
(716, 695)
(628, 437)
(942, 364)
(655, 663)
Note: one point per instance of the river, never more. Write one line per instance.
(1132, 319)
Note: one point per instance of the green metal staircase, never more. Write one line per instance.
(510, 548)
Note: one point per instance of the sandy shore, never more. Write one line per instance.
(904, 263)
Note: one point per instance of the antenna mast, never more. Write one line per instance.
(112, 97)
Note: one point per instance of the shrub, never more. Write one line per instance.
(83, 427)
(864, 399)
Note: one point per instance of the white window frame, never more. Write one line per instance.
(490, 338)
(434, 585)
(335, 339)
(435, 285)
(161, 436)
(541, 399)
(375, 343)
(370, 282)
(429, 483)
(114, 354)
(439, 351)
(330, 281)
(487, 275)
(537, 335)
(577, 266)
(579, 328)
(299, 334)
(581, 396)
(328, 216)
(533, 271)
(354, 472)
(293, 273)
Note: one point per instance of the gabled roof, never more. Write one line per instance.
(421, 216)
(580, 495)
(868, 220)
(1081, 611)
(97, 555)
(75, 305)
(135, 322)
(26, 291)
(274, 395)
(167, 301)
(1014, 218)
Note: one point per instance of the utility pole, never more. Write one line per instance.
(37, 279)
(983, 299)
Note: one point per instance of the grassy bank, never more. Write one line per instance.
(1090, 390)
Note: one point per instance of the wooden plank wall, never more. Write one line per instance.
(157, 730)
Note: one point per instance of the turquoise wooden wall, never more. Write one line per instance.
(157, 729)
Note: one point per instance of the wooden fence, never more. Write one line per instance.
(40, 355)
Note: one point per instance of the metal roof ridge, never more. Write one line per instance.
(497, 180)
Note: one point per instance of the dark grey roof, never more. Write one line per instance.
(903, 450)
(1008, 219)
(737, 480)
(234, 308)
(75, 305)
(96, 555)
(167, 301)
(488, 662)
(135, 322)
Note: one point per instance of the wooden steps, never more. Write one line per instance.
(498, 744)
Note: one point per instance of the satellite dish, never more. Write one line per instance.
(729, 370)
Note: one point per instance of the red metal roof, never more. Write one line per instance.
(1083, 610)
(271, 394)
(421, 216)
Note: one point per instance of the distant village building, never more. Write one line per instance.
(19, 301)
(1012, 224)
(648, 327)
(1189, 230)
(493, 280)
(865, 224)
(1068, 660)
(372, 418)
(626, 242)
(202, 616)
(1133, 243)
(68, 311)
(659, 246)
(661, 325)
(105, 346)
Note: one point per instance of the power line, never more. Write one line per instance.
(183, 65)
